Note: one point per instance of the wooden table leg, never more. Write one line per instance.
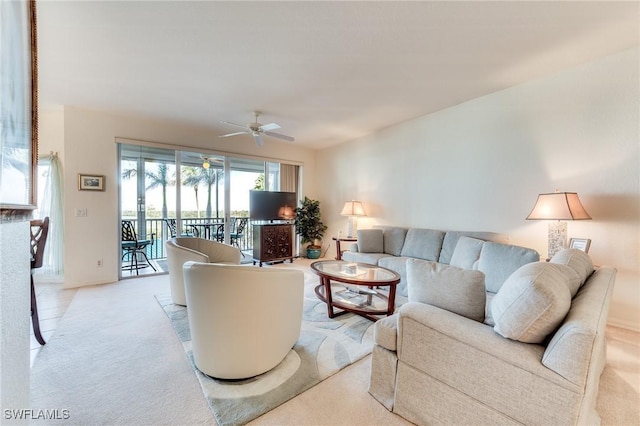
(392, 300)
(327, 295)
(338, 251)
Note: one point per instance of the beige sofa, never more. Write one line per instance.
(534, 358)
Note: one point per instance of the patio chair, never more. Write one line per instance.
(133, 247)
(173, 229)
(238, 232)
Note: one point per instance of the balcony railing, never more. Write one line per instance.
(161, 233)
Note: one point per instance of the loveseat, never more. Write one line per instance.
(480, 342)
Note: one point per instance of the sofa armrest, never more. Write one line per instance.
(438, 350)
(474, 339)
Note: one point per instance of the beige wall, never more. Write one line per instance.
(481, 164)
(14, 316)
(88, 147)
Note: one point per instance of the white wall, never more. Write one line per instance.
(14, 315)
(481, 164)
(89, 147)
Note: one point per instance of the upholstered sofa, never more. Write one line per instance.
(184, 249)
(391, 247)
(480, 342)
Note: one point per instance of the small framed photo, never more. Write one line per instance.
(580, 244)
(90, 182)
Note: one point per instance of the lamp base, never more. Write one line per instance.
(353, 227)
(557, 237)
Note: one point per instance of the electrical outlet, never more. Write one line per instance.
(99, 263)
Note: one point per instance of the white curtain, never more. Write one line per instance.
(50, 204)
(289, 178)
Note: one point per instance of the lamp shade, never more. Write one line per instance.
(353, 208)
(558, 206)
(286, 212)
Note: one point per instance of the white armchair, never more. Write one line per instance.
(181, 250)
(243, 320)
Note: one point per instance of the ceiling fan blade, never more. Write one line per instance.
(244, 126)
(279, 136)
(270, 126)
(233, 134)
(258, 139)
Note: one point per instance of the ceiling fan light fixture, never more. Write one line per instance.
(256, 130)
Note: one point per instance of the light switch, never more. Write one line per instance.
(81, 212)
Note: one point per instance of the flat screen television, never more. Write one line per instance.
(272, 205)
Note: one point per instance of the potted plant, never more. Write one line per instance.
(309, 226)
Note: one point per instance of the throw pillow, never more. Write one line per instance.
(498, 261)
(577, 260)
(370, 241)
(466, 253)
(531, 304)
(457, 290)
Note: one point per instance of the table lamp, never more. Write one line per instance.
(353, 209)
(557, 208)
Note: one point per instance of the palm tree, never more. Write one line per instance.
(191, 177)
(161, 178)
(208, 177)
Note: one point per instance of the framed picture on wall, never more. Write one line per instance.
(90, 182)
(580, 244)
(18, 106)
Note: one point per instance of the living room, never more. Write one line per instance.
(477, 164)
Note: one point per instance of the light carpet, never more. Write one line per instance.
(325, 347)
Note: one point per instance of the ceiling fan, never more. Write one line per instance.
(206, 161)
(257, 130)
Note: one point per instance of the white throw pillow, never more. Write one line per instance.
(466, 253)
(531, 303)
(577, 260)
(457, 290)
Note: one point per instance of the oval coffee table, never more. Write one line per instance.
(351, 287)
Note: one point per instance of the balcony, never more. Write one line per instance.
(158, 231)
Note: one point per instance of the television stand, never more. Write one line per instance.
(272, 242)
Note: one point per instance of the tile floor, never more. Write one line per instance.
(53, 302)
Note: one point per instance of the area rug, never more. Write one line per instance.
(325, 347)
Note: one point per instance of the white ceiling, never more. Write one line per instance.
(326, 72)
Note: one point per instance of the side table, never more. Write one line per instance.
(338, 240)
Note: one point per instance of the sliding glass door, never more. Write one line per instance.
(170, 192)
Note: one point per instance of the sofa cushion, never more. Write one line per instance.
(467, 253)
(370, 241)
(532, 303)
(498, 261)
(457, 290)
(423, 244)
(398, 265)
(577, 260)
(451, 240)
(394, 240)
(370, 258)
